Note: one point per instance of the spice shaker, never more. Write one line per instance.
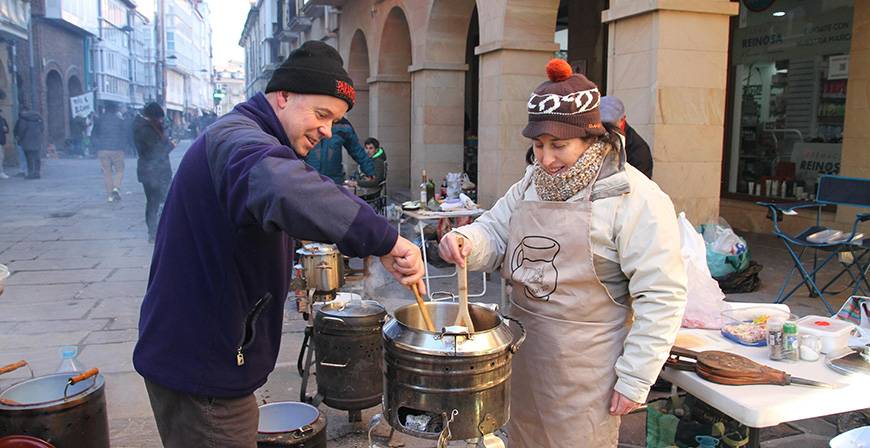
(775, 338)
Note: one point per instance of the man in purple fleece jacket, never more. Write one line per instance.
(210, 324)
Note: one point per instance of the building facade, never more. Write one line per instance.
(14, 26)
(229, 86)
(53, 65)
(143, 61)
(111, 57)
(184, 60)
(716, 87)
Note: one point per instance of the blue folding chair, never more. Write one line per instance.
(832, 190)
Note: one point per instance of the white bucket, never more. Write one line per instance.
(856, 438)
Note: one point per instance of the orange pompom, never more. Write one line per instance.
(559, 70)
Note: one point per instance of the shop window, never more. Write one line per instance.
(790, 79)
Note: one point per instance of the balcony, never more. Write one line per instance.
(299, 24)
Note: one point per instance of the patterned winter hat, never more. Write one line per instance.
(314, 68)
(565, 107)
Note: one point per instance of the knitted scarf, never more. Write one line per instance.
(562, 186)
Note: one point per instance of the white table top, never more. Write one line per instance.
(760, 406)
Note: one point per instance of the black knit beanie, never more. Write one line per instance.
(314, 68)
(153, 110)
(566, 106)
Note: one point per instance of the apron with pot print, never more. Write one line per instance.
(563, 376)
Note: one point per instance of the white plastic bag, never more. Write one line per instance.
(705, 300)
(722, 239)
(454, 185)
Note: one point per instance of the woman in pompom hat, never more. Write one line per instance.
(593, 250)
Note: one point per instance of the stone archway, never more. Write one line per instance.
(55, 101)
(74, 86)
(358, 69)
(390, 96)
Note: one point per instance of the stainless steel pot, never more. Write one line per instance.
(347, 340)
(431, 377)
(290, 423)
(49, 408)
(322, 266)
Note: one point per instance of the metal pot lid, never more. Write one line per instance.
(318, 249)
(352, 308)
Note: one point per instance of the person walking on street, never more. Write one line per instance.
(153, 168)
(28, 132)
(77, 127)
(636, 148)
(4, 129)
(326, 155)
(109, 137)
(211, 321)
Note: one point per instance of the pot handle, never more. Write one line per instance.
(336, 319)
(516, 345)
(329, 364)
(16, 366)
(81, 377)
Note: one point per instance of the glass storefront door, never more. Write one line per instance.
(790, 77)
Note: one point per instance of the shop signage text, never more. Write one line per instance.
(802, 37)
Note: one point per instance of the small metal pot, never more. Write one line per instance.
(290, 423)
(347, 340)
(322, 266)
(432, 378)
(68, 415)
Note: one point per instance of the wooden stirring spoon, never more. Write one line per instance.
(423, 309)
(462, 317)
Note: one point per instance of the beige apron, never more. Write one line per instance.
(563, 376)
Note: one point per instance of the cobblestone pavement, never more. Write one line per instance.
(79, 268)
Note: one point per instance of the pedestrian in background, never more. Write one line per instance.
(77, 127)
(326, 155)
(153, 168)
(4, 129)
(636, 149)
(109, 138)
(28, 132)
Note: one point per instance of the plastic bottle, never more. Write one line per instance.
(68, 362)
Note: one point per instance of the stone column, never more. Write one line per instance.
(668, 64)
(390, 96)
(437, 117)
(856, 134)
(509, 73)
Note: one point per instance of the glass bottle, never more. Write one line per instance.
(430, 190)
(423, 198)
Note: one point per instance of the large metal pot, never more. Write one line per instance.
(433, 377)
(322, 266)
(289, 423)
(347, 340)
(47, 407)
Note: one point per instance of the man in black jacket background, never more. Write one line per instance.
(109, 138)
(636, 149)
